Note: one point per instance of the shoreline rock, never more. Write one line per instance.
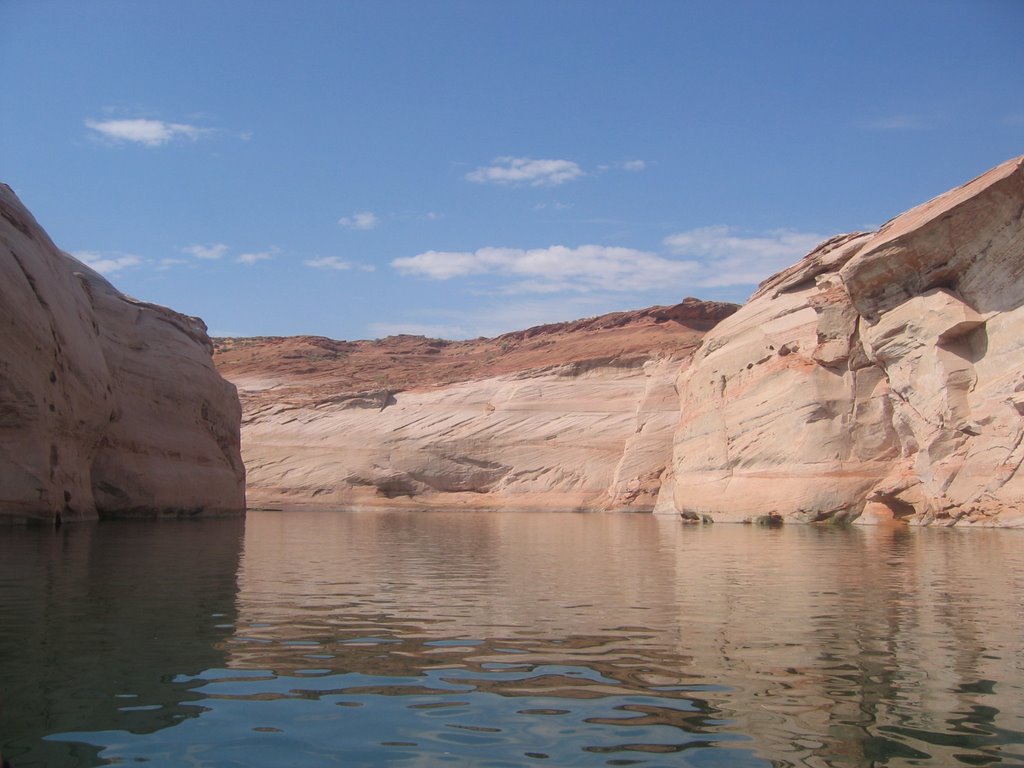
(108, 406)
(881, 378)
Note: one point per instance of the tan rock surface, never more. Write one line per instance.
(108, 406)
(571, 415)
(881, 377)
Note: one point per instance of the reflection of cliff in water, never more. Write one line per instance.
(837, 647)
(866, 647)
(105, 616)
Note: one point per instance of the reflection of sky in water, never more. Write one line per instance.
(518, 639)
(285, 722)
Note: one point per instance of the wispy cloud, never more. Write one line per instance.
(252, 258)
(633, 165)
(505, 315)
(212, 251)
(149, 133)
(108, 264)
(215, 251)
(499, 316)
(329, 262)
(526, 171)
(727, 257)
(433, 331)
(363, 220)
(553, 269)
(708, 257)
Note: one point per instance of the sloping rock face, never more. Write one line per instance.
(108, 406)
(566, 416)
(880, 378)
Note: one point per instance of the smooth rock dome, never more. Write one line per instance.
(880, 378)
(108, 406)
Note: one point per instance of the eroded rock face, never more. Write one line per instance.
(555, 440)
(567, 416)
(108, 406)
(880, 378)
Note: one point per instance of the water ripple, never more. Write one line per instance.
(512, 640)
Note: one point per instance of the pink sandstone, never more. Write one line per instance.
(880, 378)
(108, 405)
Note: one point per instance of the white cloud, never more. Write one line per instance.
(168, 263)
(150, 133)
(107, 264)
(329, 262)
(633, 165)
(363, 220)
(727, 258)
(554, 269)
(213, 251)
(439, 265)
(526, 171)
(708, 257)
(251, 258)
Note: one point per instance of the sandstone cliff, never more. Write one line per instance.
(108, 406)
(882, 377)
(566, 416)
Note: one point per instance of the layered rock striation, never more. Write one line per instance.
(880, 378)
(565, 416)
(108, 405)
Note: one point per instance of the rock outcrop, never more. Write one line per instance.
(880, 378)
(108, 405)
(565, 416)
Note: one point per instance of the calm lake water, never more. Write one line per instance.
(501, 639)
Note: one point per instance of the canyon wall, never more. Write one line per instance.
(538, 440)
(880, 378)
(568, 416)
(108, 405)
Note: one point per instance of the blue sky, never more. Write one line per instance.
(356, 169)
